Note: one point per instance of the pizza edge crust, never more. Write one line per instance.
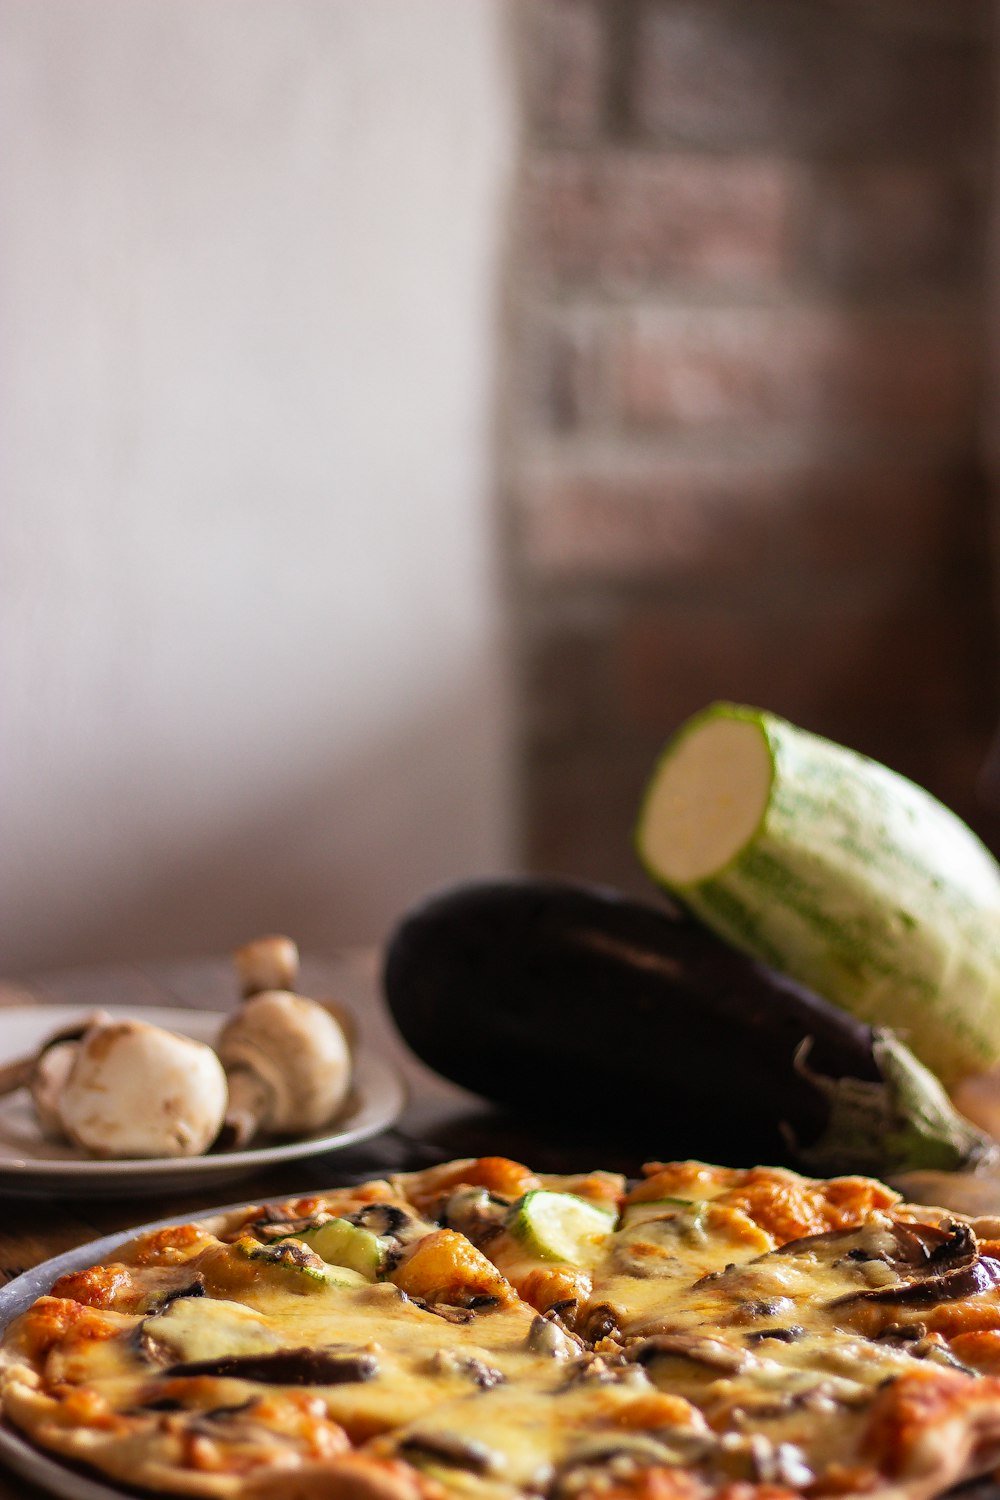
(348, 1476)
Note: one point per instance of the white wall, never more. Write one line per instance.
(249, 674)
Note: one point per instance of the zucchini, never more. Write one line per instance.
(342, 1244)
(301, 1263)
(836, 871)
(621, 1021)
(560, 1226)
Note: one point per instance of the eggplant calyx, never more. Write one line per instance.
(904, 1123)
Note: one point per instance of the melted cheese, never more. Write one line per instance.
(807, 1385)
(521, 1434)
(199, 1328)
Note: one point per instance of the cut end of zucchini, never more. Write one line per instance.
(707, 798)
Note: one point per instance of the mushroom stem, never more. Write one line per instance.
(249, 1105)
(268, 963)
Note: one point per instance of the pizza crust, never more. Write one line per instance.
(931, 1430)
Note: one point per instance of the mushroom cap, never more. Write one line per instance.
(137, 1090)
(72, 1031)
(298, 1051)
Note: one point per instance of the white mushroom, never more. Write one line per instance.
(288, 1063)
(268, 963)
(45, 1072)
(137, 1090)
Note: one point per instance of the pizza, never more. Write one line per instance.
(478, 1331)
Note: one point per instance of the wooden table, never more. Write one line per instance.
(439, 1121)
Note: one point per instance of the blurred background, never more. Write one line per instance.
(413, 409)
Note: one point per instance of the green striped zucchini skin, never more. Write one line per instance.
(862, 886)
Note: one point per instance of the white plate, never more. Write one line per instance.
(31, 1166)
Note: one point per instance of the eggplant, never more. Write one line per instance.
(287, 1367)
(576, 1004)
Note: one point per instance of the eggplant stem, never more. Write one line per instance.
(905, 1123)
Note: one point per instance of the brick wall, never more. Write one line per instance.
(743, 385)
